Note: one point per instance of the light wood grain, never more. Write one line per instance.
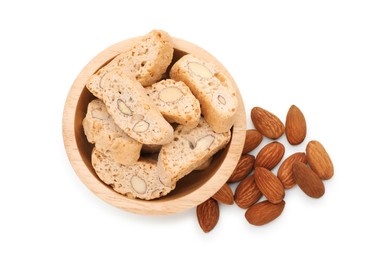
(191, 190)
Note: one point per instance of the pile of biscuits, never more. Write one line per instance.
(151, 125)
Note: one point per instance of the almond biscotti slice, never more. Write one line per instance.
(100, 129)
(189, 149)
(139, 180)
(133, 111)
(213, 89)
(175, 102)
(147, 60)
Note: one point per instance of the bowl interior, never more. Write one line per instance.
(186, 185)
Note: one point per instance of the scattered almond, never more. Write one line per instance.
(267, 123)
(243, 168)
(269, 185)
(264, 212)
(285, 173)
(247, 193)
(208, 214)
(252, 140)
(295, 126)
(319, 160)
(224, 195)
(308, 181)
(293, 170)
(270, 155)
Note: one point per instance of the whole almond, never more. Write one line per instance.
(285, 173)
(267, 123)
(308, 181)
(252, 139)
(224, 195)
(247, 193)
(243, 168)
(319, 160)
(208, 214)
(264, 212)
(269, 185)
(295, 126)
(270, 155)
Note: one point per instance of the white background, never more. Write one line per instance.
(330, 58)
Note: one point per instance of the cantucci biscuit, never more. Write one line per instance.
(175, 102)
(189, 149)
(211, 87)
(139, 180)
(132, 110)
(147, 60)
(100, 129)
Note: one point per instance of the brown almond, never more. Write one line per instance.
(269, 185)
(270, 155)
(247, 193)
(308, 181)
(295, 126)
(252, 139)
(224, 195)
(319, 160)
(208, 214)
(285, 174)
(264, 212)
(267, 123)
(243, 168)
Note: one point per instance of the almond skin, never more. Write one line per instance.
(267, 123)
(270, 155)
(264, 212)
(224, 195)
(252, 140)
(285, 173)
(319, 160)
(247, 193)
(308, 181)
(295, 126)
(208, 214)
(269, 185)
(243, 168)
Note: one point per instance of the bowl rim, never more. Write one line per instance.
(152, 207)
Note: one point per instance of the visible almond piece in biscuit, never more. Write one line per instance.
(133, 111)
(100, 129)
(189, 149)
(139, 180)
(213, 89)
(175, 102)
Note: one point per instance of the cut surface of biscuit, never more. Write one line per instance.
(189, 149)
(139, 180)
(100, 129)
(213, 89)
(175, 102)
(133, 111)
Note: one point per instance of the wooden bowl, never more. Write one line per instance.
(192, 189)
